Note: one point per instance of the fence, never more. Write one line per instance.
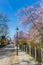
(36, 53)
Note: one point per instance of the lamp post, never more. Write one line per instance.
(17, 39)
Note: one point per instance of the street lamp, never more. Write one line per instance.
(17, 39)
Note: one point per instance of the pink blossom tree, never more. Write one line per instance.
(34, 16)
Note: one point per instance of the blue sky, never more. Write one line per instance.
(10, 8)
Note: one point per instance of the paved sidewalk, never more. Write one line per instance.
(8, 56)
(14, 59)
(10, 60)
(25, 59)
